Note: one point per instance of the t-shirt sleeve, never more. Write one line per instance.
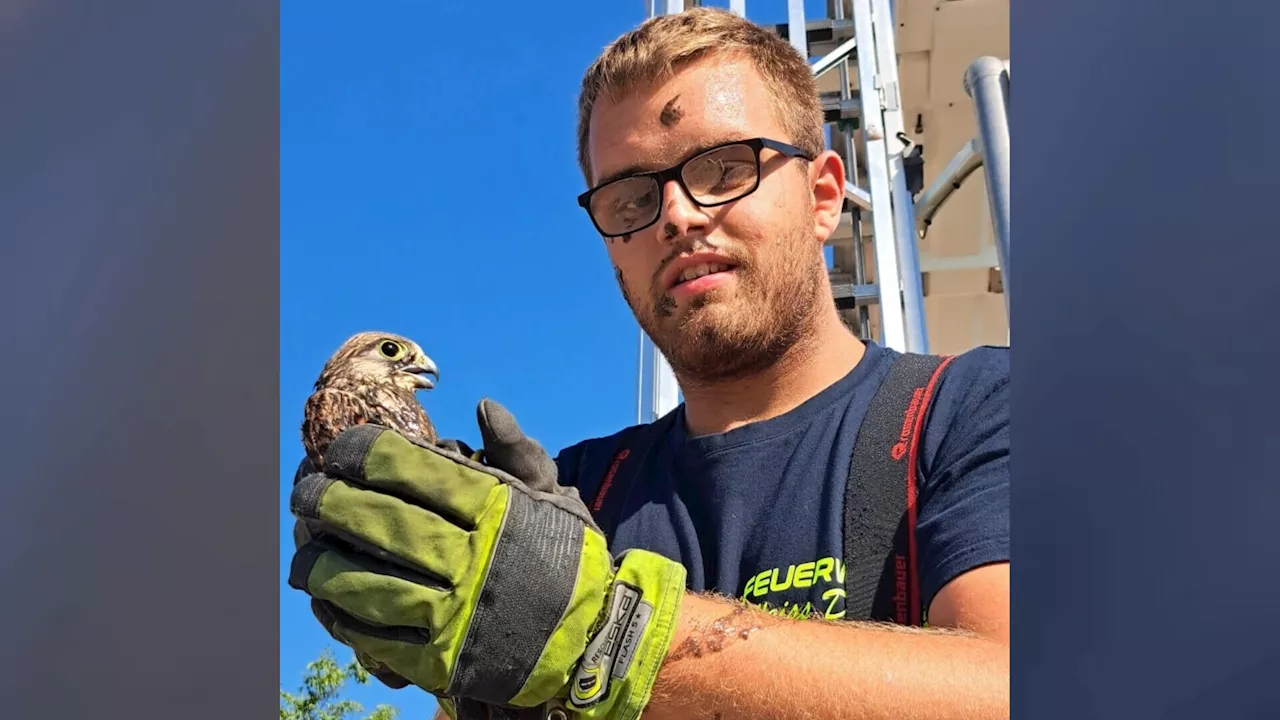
(963, 519)
(568, 462)
(584, 464)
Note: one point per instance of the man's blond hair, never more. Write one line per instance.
(663, 45)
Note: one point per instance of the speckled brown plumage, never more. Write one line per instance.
(371, 378)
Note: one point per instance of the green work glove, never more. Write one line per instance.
(321, 611)
(505, 448)
(465, 581)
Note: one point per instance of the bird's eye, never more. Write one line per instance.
(391, 349)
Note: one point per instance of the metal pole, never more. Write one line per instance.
(962, 165)
(640, 378)
(796, 30)
(917, 336)
(987, 83)
(882, 225)
(664, 390)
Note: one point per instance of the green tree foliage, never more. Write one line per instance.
(319, 697)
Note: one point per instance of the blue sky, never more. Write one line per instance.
(427, 185)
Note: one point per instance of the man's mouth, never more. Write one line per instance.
(697, 271)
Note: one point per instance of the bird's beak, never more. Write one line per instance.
(423, 373)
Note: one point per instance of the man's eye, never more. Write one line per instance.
(732, 174)
(633, 204)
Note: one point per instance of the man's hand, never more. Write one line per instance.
(465, 581)
(301, 536)
(729, 660)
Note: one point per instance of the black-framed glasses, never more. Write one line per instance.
(715, 176)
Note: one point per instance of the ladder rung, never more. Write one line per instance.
(819, 32)
(857, 195)
(833, 108)
(849, 296)
(844, 51)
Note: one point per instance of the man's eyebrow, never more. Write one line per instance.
(625, 172)
(637, 169)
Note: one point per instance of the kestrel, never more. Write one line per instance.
(371, 378)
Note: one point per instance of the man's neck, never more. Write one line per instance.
(810, 367)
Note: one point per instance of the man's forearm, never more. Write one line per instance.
(731, 661)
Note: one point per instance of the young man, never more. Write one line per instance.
(700, 138)
(745, 487)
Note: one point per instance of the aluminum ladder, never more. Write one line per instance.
(861, 33)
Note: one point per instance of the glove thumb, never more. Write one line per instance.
(507, 448)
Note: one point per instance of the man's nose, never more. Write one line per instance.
(680, 214)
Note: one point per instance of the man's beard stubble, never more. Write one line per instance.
(772, 311)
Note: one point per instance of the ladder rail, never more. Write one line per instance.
(916, 338)
(892, 316)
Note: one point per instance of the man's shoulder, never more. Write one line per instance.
(970, 411)
(573, 457)
(989, 361)
(588, 460)
(975, 378)
(967, 380)
(963, 501)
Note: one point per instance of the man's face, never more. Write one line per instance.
(763, 250)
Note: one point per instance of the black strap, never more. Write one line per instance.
(881, 576)
(633, 446)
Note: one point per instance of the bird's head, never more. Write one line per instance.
(381, 358)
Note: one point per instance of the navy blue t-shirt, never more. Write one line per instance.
(757, 512)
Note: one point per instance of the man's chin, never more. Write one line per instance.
(702, 314)
(702, 351)
(712, 324)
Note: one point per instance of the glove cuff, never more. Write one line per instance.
(615, 677)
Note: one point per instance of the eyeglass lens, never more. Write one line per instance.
(717, 176)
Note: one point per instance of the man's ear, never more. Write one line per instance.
(826, 177)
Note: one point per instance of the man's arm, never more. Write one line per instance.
(732, 661)
(728, 661)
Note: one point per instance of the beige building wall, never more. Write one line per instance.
(937, 40)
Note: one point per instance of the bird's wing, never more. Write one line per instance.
(326, 414)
